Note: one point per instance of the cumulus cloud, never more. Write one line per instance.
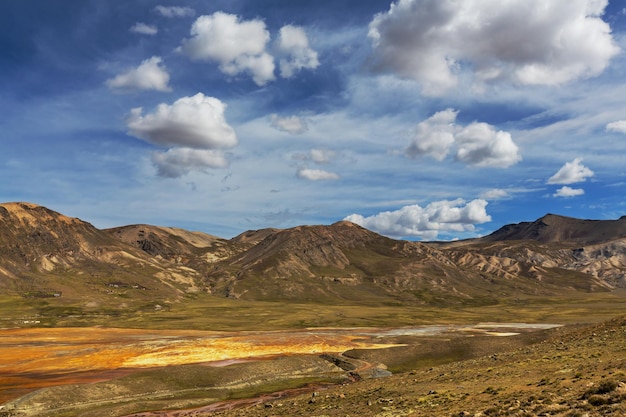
(618, 126)
(144, 29)
(193, 128)
(195, 122)
(238, 46)
(316, 174)
(434, 136)
(566, 192)
(290, 124)
(427, 222)
(478, 144)
(293, 44)
(174, 11)
(150, 75)
(529, 42)
(570, 173)
(177, 162)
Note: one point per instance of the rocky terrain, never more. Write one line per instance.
(44, 254)
(569, 371)
(58, 271)
(574, 373)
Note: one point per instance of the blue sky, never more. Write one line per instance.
(418, 119)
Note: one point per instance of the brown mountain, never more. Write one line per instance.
(166, 242)
(43, 253)
(344, 261)
(596, 248)
(555, 228)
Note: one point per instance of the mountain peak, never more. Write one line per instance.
(345, 223)
(557, 228)
(33, 213)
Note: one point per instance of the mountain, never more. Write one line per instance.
(44, 254)
(596, 248)
(555, 228)
(344, 261)
(166, 242)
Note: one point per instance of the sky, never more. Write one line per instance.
(417, 119)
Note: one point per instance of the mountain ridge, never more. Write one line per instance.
(42, 252)
(557, 228)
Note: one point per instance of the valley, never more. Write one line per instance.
(72, 367)
(148, 320)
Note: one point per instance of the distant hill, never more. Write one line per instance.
(165, 242)
(555, 228)
(47, 254)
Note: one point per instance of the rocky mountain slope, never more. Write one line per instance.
(46, 254)
(596, 248)
(555, 228)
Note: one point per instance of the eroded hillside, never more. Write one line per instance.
(47, 254)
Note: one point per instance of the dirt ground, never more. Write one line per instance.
(572, 371)
(577, 372)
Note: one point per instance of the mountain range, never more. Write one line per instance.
(45, 254)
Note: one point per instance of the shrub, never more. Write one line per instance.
(598, 400)
(604, 387)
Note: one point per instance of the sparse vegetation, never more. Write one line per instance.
(62, 272)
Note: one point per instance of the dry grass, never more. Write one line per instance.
(577, 372)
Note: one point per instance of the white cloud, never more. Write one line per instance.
(618, 126)
(317, 156)
(316, 174)
(321, 156)
(144, 29)
(290, 124)
(150, 75)
(566, 192)
(177, 162)
(529, 42)
(570, 173)
(495, 194)
(174, 11)
(434, 136)
(238, 46)
(427, 222)
(194, 122)
(478, 144)
(293, 43)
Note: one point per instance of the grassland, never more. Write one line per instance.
(182, 387)
(205, 312)
(575, 372)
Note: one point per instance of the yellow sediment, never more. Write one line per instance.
(61, 350)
